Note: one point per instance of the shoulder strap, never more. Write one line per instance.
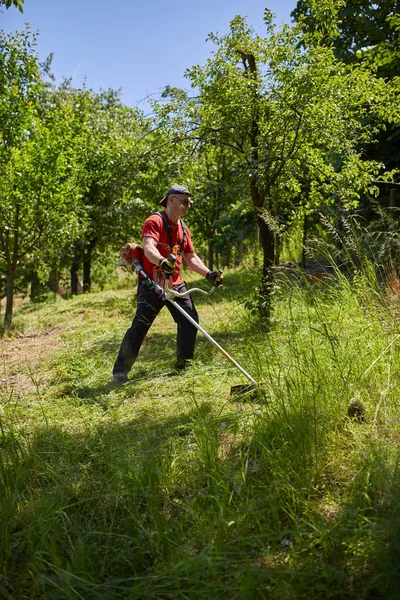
(168, 228)
(184, 233)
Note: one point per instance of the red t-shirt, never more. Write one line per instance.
(154, 227)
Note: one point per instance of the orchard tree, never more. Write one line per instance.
(182, 154)
(279, 106)
(112, 139)
(39, 177)
(40, 196)
(20, 89)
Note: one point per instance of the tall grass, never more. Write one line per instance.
(171, 488)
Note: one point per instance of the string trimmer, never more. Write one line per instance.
(131, 260)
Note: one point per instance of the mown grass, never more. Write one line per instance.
(170, 488)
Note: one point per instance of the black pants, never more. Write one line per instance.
(149, 304)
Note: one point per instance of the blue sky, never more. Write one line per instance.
(138, 46)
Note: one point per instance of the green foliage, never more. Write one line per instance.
(220, 215)
(68, 159)
(17, 3)
(20, 86)
(41, 174)
(110, 156)
(277, 131)
(359, 31)
(294, 120)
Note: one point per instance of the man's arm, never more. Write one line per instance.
(195, 263)
(151, 252)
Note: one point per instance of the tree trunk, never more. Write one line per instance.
(258, 244)
(54, 281)
(267, 239)
(11, 252)
(304, 244)
(87, 282)
(37, 288)
(87, 265)
(278, 246)
(268, 247)
(210, 255)
(10, 297)
(74, 275)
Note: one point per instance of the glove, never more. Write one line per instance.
(167, 265)
(215, 277)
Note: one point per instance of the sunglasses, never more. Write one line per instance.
(187, 203)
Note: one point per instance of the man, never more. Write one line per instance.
(164, 234)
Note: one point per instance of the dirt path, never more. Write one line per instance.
(19, 357)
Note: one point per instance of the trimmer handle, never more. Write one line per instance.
(167, 265)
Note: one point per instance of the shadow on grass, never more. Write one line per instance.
(151, 508)
(81, 477)
(97, 394)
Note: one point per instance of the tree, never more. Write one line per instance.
(20, 87)
(280, 107)
(111, 142)
(39, 177)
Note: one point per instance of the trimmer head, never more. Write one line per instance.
(247, 391)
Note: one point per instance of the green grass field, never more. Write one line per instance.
(168, 487)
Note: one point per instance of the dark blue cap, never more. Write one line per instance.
(174, 189)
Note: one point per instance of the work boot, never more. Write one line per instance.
(120, 378)
(183, 363)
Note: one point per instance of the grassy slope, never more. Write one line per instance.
(166, 488)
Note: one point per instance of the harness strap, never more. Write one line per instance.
(168, 228)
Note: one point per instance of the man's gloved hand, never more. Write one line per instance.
(167, 265)
(215, 277)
